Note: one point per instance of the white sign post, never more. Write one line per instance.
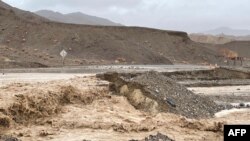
(63, 53)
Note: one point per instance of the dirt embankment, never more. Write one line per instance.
(40, 41)
(215, 74)
(154, 92)
(223, 76)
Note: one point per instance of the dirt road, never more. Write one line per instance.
(49, 74)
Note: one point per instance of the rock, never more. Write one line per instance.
(158, 137)
(242, 104)
(171, 102)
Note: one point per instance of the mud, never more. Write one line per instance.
(84, 108)
(8, 138)
(31, 108)
(28, 109)
(5, 123)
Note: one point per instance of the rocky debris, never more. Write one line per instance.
(153, 92)
(8, 138)
(222, 73)
(158, 137)
(242, 104)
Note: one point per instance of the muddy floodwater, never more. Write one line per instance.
(82, 106)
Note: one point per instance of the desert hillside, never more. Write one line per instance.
(241, 47)
(36, 42)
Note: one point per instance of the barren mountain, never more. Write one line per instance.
(75, 18)
(228, 31)
(37, 43)
(217, 39)
(209, 39)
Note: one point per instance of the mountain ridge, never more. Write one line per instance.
(217, 39)
(75, 18)
(227, 31)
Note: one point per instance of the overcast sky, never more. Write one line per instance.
(185, 15)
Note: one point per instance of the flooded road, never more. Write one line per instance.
(107, 68)
(49, 74)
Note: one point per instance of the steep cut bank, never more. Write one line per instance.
(41, 41)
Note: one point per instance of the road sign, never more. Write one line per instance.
(63, 53)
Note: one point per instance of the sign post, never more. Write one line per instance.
(3, 72)
(63, 53)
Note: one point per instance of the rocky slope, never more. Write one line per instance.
(37, 40)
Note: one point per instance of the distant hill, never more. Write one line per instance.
(210, 39)
(217, 39)
(25, 15)
(75, 18)
(228, 31)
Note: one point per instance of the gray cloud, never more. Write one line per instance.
(187, 15)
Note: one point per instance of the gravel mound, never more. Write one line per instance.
(158, 137)
(155, 91)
